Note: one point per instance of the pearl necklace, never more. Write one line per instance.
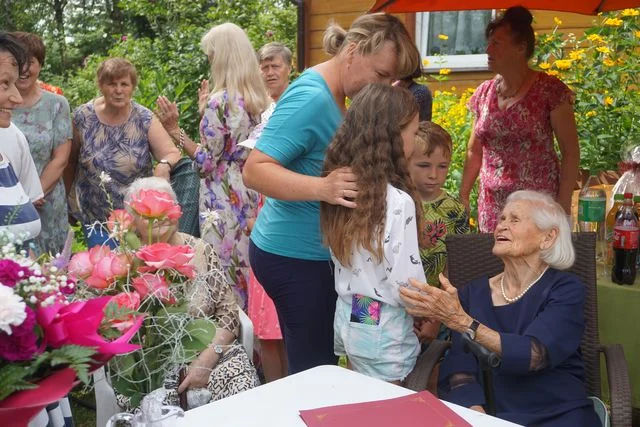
(512, 300)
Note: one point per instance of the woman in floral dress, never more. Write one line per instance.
(45, 120)
(233, 109)
(517, 115)
(114, 141)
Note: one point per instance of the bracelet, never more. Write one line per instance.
(165, 162)
(181, 139)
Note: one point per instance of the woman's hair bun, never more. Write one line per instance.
(333, 38)
(518, 15)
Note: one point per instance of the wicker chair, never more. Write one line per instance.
(470, 257)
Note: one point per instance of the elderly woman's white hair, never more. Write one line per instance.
(548, 214)
(148, 183)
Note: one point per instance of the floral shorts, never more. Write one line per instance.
(377, 338)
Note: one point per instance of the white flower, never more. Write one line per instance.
(211, 217)
(12, 309)
(105, 178)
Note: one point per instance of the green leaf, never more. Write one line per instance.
(13, 378)
(198, 335)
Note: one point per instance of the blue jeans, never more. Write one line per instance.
(97, 236)
(304, 295)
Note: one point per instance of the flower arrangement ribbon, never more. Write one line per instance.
(20, 407)
(78, 323)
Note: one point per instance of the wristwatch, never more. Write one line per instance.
(472, 329)
(165, 162)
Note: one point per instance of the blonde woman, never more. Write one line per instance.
(233, 109)
(287, 254)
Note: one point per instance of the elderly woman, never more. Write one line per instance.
(223, 368)
(531, 315)
(45, 120)
(114, 140)
(18, 174)
(517, 115)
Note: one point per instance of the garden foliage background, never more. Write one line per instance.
(161, 37)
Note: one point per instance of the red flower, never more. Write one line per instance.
(121, 219)
(130, 301)
(153, 204)
(153, 284)
(22, 343)
(160, 256)
(11, 272)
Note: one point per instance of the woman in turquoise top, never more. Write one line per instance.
(286, 250)
(45, 120)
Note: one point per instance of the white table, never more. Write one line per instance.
(278, 403)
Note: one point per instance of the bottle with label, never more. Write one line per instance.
(611, 223)
(625, 243)
(592, 209)
(636, 206)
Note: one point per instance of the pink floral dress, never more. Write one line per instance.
(517, 144)
(225, 202)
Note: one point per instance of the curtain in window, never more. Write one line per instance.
(464, 31)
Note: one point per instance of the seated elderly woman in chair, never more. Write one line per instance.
(223, 368)
(531, 315)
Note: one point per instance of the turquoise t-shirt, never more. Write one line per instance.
(297, 135)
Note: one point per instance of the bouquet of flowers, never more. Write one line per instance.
(150, 277)
(46, 340)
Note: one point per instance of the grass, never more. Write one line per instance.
(83, 416)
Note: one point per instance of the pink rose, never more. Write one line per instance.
(79, 322)
(130, 301)
(159, 256)
(96, 253)
(81, 265)
(153, 204)
(111, 267)
(119, 221)
(152, 284)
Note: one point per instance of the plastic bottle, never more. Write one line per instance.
(636, 207)
(611, 223)
(592, 209)
(625, 243)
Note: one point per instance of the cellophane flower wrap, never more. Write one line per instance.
(151, 278)
(45, 330)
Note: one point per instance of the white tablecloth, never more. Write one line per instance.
(278, 403)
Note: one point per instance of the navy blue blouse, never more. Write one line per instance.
(551, 312)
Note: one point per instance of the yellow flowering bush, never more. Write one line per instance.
(603, 69)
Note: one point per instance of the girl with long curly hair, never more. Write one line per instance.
(375, 245)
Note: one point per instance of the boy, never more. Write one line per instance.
(442, 213)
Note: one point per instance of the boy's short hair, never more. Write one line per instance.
(431, 136)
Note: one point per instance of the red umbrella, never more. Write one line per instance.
(587, 7)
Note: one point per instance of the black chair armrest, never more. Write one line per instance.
(619, 385)
(418, 378)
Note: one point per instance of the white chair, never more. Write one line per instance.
(106, 404)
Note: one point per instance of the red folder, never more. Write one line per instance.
(415, 410)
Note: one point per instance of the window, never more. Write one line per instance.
(453, 40)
